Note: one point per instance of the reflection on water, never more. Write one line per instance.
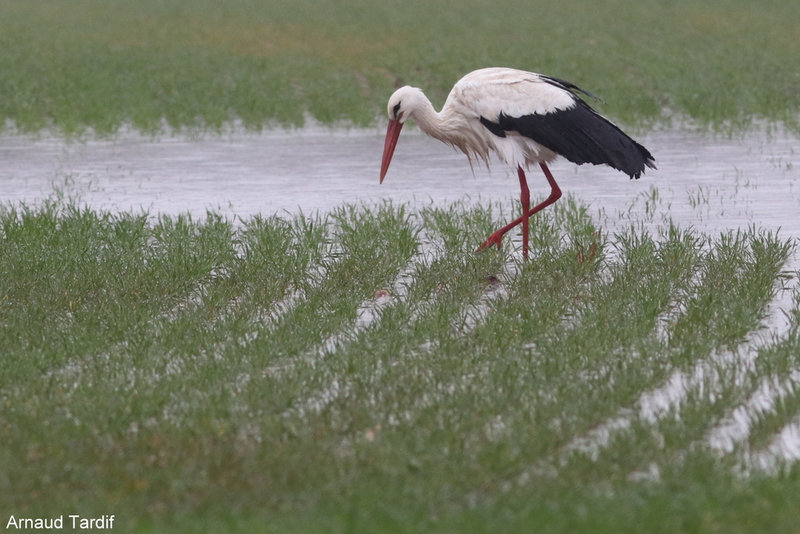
(709, 182)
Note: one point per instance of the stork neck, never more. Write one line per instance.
(428, 119)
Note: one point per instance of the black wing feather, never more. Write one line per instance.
(579, 134)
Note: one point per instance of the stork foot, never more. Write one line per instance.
(494, 239)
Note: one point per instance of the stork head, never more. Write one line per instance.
(402, 105)
(404, 102)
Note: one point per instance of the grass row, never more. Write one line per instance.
(368, 371)
(199, 64)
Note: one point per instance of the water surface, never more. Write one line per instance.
(712, 183)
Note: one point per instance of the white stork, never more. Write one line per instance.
(524, 118)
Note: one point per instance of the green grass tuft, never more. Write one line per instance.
(367, 370)
(200, 65)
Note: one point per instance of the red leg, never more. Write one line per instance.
(555, 194)
(525, 200)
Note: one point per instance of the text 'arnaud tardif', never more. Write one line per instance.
(74, 521)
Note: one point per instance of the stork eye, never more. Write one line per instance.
(396, 110)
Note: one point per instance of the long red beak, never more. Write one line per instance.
(392, 133)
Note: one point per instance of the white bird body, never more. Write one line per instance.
(524, 118)
(491, 91)
(487, 93)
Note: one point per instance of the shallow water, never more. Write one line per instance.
(712, 183)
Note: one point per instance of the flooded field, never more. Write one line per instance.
(713, 183)
(378, 347)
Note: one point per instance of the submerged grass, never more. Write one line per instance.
(103, 64)
(368, 371)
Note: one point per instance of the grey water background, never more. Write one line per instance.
(712, 182)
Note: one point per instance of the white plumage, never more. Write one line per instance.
(524, 118)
